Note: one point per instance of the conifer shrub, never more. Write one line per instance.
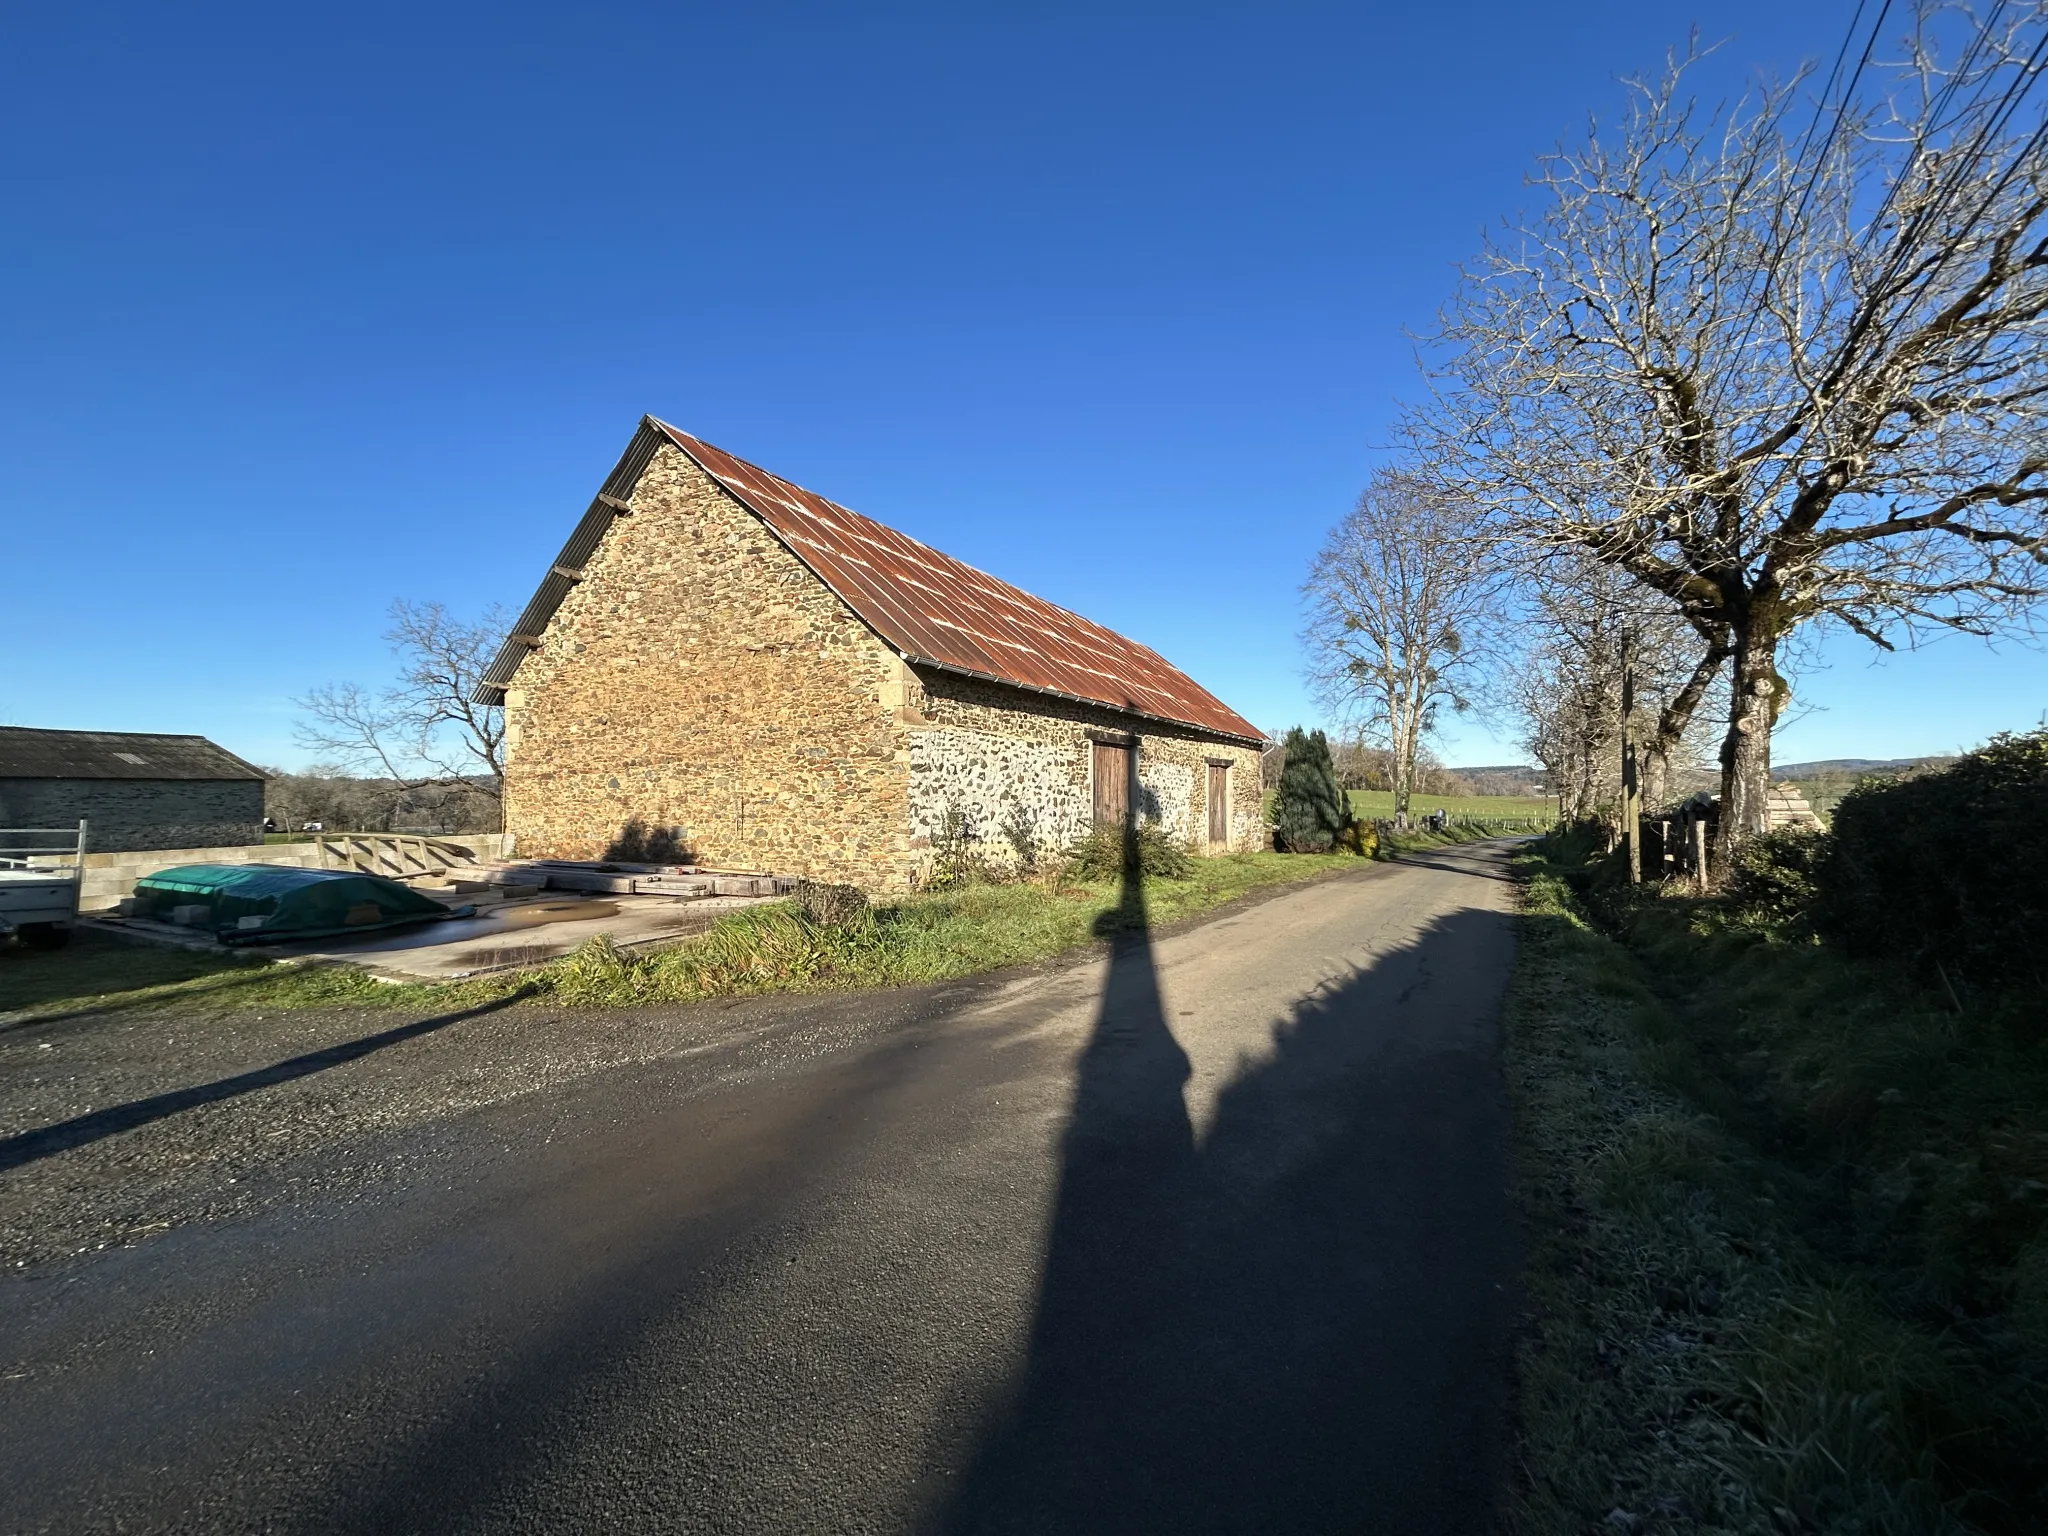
(1311, 809)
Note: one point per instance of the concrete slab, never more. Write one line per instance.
(522, 933)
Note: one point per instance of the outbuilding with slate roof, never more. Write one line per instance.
(137, 790)
(723, 667)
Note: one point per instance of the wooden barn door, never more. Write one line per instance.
(1112, 785)
(1219, 802)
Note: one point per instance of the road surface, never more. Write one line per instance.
(1207, 1233)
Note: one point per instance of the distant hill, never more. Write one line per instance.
(1832, 767)
(1503, 779)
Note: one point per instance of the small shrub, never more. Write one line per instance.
(1775, 880)
(832, 906)
(1102, 853)
(1310, 809)
(1019, 827)
(1361, 838)
(959, 857)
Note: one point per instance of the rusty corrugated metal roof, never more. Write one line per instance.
(934, 610)
(940, 612)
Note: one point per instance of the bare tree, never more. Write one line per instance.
(1398, 599)
(425, 729)
(1778, 365)
(1583, 622)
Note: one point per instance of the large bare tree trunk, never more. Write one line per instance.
(1405, 742)
(1655, 768)
(1758, 695)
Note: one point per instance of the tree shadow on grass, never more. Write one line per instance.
(100, 968)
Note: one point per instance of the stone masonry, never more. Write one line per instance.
(991, 751)
(701, 690)
(134, 814)
(701, 682)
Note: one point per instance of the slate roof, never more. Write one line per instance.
(932, 609)
(30, 753)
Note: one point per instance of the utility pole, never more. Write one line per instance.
(1631, 809)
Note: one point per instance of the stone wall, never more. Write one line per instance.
(702, 691)
(133, 814)
(989, 750)
(1039, 788)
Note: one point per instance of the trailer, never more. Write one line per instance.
(42, 872)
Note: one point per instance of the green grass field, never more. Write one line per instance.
(1378, 805)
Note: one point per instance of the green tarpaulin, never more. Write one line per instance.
(249, 903)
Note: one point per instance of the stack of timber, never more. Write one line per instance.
(678, 880)
(1787, 807)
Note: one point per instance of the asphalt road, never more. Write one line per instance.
(1210, 1233)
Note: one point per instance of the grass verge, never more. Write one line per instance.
(1751, 1305)
(922, 938)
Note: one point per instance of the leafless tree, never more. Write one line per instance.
(424, 729)
(1398, 603)
(1781, 361)
(1583, 622)
(1361, 765)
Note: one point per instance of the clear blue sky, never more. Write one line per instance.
(307, 309)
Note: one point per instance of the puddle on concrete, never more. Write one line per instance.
(531, 914)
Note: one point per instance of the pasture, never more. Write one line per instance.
(1378, 805)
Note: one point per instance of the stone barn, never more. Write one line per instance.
(137, 791)
(722, 667)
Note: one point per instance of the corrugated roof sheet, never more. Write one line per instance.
(934, 610)
(30, 753)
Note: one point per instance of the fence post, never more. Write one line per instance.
(1699, 850)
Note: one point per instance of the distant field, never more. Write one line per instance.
(1378, 804)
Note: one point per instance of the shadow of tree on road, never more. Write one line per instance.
(1294, 1322)
(1300, 1323)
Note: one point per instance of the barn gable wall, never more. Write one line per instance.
(701, 687)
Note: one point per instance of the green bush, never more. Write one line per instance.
(1100, 855)
(1776, 877)
(1310, 809)
(1361, 838)
(1949, 869)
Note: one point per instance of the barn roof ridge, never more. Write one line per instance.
(42, 752)
(933, 609)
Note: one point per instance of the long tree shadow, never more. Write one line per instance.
(47, 1141)
(1300, 1323)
